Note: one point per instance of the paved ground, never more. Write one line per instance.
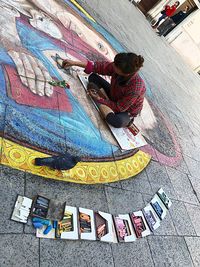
(176, 91)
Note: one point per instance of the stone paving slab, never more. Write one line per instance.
(158, 177)
(193, 244)
(67, 253)
(12, 184)
(187, 146)
(196, 185)
(182, 167)
(19, 250)
(132, 254)
(167, 227)
(181, 219)
(193, 166)
(122, 201)
(169, 251)
(182, 186)
(194, 213)
(139, 184)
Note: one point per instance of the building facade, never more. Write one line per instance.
(185, 37)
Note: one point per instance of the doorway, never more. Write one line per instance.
(146, 5)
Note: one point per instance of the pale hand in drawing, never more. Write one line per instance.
(32, 73)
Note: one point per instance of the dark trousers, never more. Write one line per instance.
(166, 26)
(161, 18)
(117, 120)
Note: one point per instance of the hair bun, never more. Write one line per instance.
(128, 63)
(140, 61)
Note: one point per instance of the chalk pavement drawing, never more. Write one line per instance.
(37, 119)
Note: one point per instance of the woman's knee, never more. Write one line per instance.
(115, 121)
(93, 78)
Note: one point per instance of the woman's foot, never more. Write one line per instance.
(154, 26)
(92, 86)
(93, 90)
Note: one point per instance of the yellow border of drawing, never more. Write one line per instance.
(82, 10)
(22, 158)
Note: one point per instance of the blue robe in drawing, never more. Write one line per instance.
(52, 131)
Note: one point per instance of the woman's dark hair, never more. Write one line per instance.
(128, 62)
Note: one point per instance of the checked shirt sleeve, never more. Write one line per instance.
(102, 68)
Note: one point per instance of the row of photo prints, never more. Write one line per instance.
(80, 223)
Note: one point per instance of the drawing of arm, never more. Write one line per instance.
(32, 72)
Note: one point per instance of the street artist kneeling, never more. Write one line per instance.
(125, 92)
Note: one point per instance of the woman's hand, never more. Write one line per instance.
(94, 94)
(67, 63)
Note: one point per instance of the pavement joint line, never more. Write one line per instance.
(193, 189)
(175, 199)
(181, 236)
(170, 178)
(39, 254)
(149, 179)
(151, 252)
(113, 258)
(173, 223)
(106, 196)
(117, 188)
(189, 156)
(104, 191)
(185, 202)
(132, 190)
(191, 220)
(189, 252)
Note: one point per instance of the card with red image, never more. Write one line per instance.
(140, 225)
(122, 228)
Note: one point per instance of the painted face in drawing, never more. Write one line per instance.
(57, 11)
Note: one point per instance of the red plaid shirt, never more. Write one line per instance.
(127, 96)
